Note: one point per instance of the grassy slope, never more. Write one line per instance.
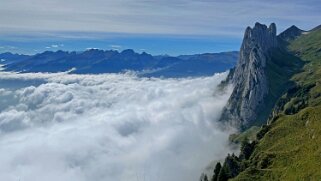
(291, 149)
(249, 134)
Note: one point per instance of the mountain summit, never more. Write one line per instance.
(291, 33)
(286, 95)
(249, 78)
(256, 77)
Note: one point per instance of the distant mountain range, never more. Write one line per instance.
(96, 61)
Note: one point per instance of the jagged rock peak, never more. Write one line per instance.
(249, 77)
(272, 29)
(257, 40)
(260, 34)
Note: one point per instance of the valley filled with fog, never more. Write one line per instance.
(64, 127)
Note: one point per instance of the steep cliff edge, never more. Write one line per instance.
(260, 77)
(288, 146)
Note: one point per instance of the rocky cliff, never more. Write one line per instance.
(286, 147)
(250, 75)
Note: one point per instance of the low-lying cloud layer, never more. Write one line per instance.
(108, 127)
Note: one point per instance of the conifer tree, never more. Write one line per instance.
(217, 170)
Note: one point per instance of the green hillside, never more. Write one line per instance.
(289, 148)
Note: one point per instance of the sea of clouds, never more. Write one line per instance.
(109, 127)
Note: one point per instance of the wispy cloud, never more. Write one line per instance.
(8, 47)
(161, 26)
(91, 48)
(55, 46)
(116, 47)
(201, 17)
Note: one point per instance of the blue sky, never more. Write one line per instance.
(155, 26)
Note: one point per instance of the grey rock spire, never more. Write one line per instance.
(249, 78)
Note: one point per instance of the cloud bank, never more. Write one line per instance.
(108, 127)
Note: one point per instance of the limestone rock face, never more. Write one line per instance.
(249, 77)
